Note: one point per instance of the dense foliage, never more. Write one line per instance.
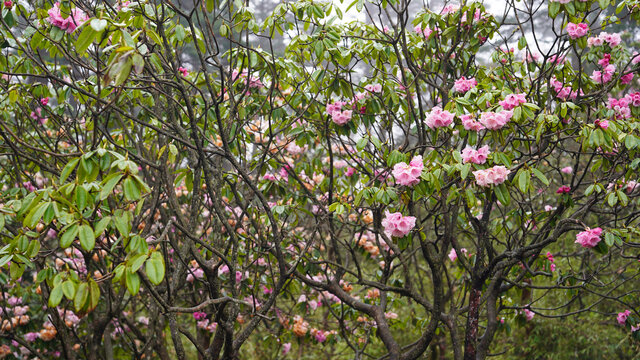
(404, 187)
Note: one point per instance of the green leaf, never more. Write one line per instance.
(94, 294)
(108, 184)
(523, 180)
(540, 176)
(35, 215)
(87, 237)
(82, 294)
(136, 262)
(16, 270)
(601, 248)
(85, 39)
(502, 194)
(81, 197)
(5, 259)
(131, 190)
(101, 225)
(55, 297)
(132, 281)
(554, 9)
(69, 289)
(155, 268)
(68, 236)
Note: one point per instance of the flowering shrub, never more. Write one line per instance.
(419, 184)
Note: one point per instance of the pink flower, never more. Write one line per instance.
(470, 124)
(625, 79)
(463, 84)
(564, 189)
(199, 315)
(512, 101)
(397, 225)
(70, 23)
(375, 88)
(604, 76)
(341, 117)
(44, 101)
(350, 171)
(286, 348)
(577, 30)
(439, 118)
(469, 155)
(320, 336)
(589, 238)
(495, 121)
(612, 39)
(453, 256)
(528, 314)
(492, 176)
(31, 336)
(408, 175)
(603, 124)
(567, 170)
(622, 317)
(184, 71)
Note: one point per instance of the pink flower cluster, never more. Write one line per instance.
(620, 107)
(375, 88)
(470, 155)
(622, 317)
(577, 30)
(512, 101)
(589, 238)
(495, 120)
(408, 175)
(426, 32)
(337, 115)
(439, 118)
(397, 225)
(612, 39)
(470, 123)
(602, 124)
(453, 256)
(252, 81)
(70, 23)
(492, 176)
(564, 189)
(604, 76)
(563, 92)
(528, 314)
(463, 84)
(552, 266)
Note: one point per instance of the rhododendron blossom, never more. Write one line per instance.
(463, 84)
(470, 155)
(439, 118)
(612, 39)
(408, 174)
(495, 120)
(622, 317)
(589, 238)
(577, 30)
(453, 256)
(341, 117)
(469, 123)
(512, 101)
(604, 76)
(492, 176)
(68, 23)
(397, 225)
